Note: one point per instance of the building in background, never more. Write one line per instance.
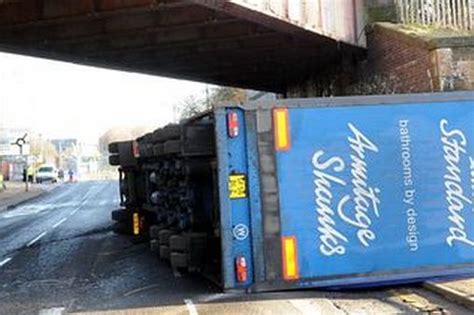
(12, 162)
(88, 161)
(68, 152)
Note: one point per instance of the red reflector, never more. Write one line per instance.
(241, 269)
(135, 149)
(233, 124)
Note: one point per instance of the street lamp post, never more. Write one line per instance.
(20, 142)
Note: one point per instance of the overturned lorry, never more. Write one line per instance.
(352, 191)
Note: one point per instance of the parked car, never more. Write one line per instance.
(47, 173)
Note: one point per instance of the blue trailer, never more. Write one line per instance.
(338, 192)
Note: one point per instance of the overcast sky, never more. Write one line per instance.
(63, 100)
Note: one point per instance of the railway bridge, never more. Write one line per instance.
(264, 45)
(293, 47)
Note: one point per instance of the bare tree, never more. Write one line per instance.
(192, 105)
(44, 149)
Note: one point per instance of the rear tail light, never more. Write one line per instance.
(241, 269)
(233, 124)
(136, 224)
(135, 149)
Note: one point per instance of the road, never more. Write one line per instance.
(58, 254)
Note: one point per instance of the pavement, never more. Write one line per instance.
(15, 193)
(58, 255)
(459, 291)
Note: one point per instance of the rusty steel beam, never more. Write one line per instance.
(271, 65)
(23, 13)
(98, 25)
(236, 42)
(284, 51)
(219, 30)
(272, 22)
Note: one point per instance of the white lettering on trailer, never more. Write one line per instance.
(454, 146)
(364, 196)
(329, 236)
(409, 194)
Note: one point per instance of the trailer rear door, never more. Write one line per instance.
(372, 193)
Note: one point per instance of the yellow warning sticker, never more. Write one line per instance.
(237, 186)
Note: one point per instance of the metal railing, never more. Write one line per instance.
(456, 14)
(339, 19)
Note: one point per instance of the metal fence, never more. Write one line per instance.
(339, 19)
(457, 14)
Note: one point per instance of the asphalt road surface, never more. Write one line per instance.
(58, 254)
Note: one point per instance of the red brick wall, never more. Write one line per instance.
(398, 62)
(407, 60)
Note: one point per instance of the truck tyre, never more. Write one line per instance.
(120, 228)
(179, 261)
(113, 147)
(197, 248)
(120, 215)
(164, 237)
(158, 149)
(114, 160)
(171, 132)
(172, 147)
(154, 232)
(164, 252)
(167, 133)
(179, 243)
(154, 246)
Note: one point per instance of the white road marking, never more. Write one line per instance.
(52, 311)
(83, 203)
(36, 239)
(59, 223)
(190, 306)
(5, 261)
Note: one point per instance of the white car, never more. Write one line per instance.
(47, 173)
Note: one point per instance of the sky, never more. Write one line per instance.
(64, 100)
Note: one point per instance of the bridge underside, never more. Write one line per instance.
(208, 41)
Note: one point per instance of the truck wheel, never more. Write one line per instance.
(120, 215)
(120, 228)
(158, 149)
(172, 147)
(113, 147)
(154, 246)
(164, 237)
(178, 243)
(154, 232)
(164, 252)
(171, 132)
(114, 160)
(179, 261)
(167, 133)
